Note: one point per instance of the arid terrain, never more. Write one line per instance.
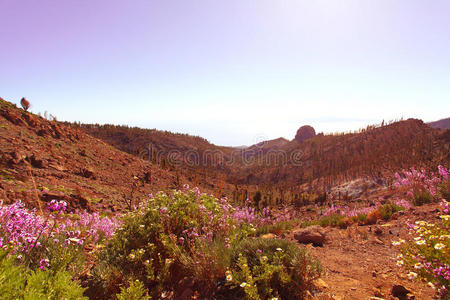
(112, 170)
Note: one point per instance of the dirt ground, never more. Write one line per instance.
(360, 262)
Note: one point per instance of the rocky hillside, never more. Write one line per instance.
(50, 160)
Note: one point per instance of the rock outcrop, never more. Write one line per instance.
(304, 133)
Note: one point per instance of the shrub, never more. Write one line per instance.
(12, 277)
(269, 268)
(334, 220)
(158, 242)
(18, 282)
(52, 285)
(189, 240)
(422, 197)
(360, 218)
(388, 209)
(135, 291)
(277, 228)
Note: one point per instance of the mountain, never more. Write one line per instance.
(282, 168)
(442, 124)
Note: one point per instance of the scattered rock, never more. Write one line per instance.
(377, 241)
(400, 292)
(47, 195)
(268, 236)
(377, 230)
(394, 231)
(38, 162)
(32, 121)
(57, 167)
(88, 173)
(313, 234)
(13, 117)
(79, 201)
(17, 156)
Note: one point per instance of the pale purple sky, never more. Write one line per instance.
(231, 71)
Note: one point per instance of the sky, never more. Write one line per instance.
(234, 72)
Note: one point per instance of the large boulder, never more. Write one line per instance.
(311, 235)
(304, 133)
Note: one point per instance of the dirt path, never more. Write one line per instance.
(361, 264)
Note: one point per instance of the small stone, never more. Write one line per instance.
(377, 230)
(377, 241)
(38, 162)
(268, 236)
(400, 291)
(88, 173)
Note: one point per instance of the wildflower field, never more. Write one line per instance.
(187, 244)
(172, 244)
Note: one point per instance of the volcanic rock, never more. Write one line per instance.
(313, 234)
(304, 133)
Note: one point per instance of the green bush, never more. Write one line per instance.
(159, 243)
(388, 209)
(268, 268)
(277, 228)
(52, 285)
(135, 291)
(12, 277)
(189, 241)
(18, 282)
(360, 218)
(334, 220)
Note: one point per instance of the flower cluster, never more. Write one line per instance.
(23, 232)
(428, 253)
(347, 211)
(417, 183)
(20, 227)
(57, 206)
(250, 215)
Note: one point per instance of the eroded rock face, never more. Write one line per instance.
(311, 235)
(304, 133)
